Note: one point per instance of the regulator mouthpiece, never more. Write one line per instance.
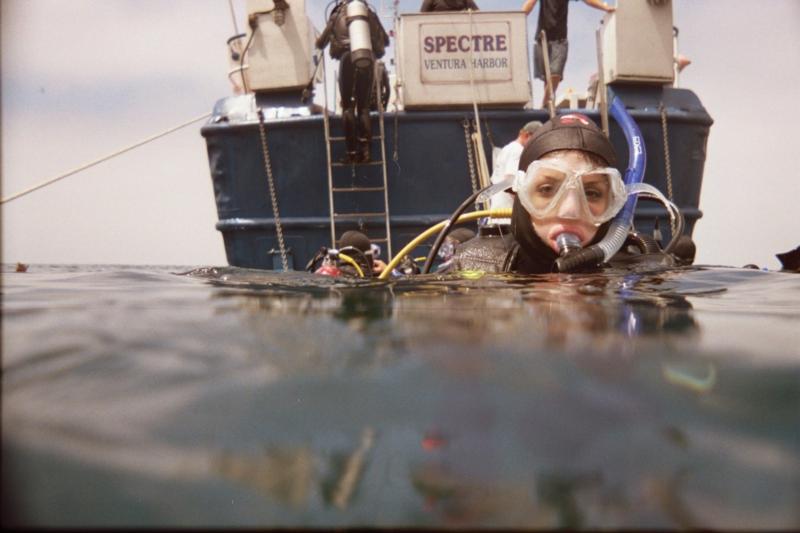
(568, 242)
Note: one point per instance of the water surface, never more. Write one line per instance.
(139, 396)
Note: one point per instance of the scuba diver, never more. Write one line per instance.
(357, 38)
(355, 257)
(566, 193)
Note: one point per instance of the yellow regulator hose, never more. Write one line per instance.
(433, 230)
(350, 260)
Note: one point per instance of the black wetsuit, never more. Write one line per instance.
(355, 84)
(522, 251)
(447, 5)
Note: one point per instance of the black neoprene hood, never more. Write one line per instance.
(568, 132)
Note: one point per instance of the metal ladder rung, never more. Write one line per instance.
(356, 216)
(373, 162)
(378, 137)
(381, 138)
(358, 189)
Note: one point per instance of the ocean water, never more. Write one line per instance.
(171, 396)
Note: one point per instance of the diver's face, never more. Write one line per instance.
(570, 215)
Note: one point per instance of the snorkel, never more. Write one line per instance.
(634, 174)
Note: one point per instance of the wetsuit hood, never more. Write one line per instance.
(568, 132)
(535, 256)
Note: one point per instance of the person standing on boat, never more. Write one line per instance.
(447, 5)
(356, 81)
(506, 163)
(553, 20)
(566, 192)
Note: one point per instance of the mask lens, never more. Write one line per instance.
(598, 192)
(544, 188)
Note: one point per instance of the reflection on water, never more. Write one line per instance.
(237, 397)
(287, 474)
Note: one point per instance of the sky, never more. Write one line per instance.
(84, 78)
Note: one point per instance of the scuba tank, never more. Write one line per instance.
(360, 40)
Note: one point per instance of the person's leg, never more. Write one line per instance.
(346, 90)
(364, 88)
(557, 52)
(538, 68)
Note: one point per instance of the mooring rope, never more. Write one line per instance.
(104, 158)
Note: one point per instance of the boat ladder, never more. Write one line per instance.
(364, 185)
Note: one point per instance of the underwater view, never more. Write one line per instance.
(175, 396)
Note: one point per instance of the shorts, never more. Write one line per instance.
(557, 50)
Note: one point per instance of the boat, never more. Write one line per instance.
(282, 194)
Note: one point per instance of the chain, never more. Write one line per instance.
(272, 195)
(396, 151)
(667, 163)
(470, 157)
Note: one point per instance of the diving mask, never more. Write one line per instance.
(550, 188)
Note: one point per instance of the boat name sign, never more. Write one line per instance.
(454, 53)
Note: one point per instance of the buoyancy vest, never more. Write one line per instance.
(486, 253)
(523, 252)
(500, 254)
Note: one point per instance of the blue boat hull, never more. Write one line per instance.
(428, 172)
